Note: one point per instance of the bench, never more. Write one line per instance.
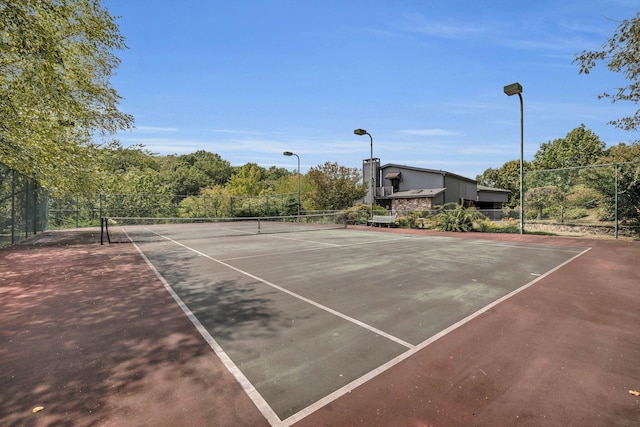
(383, 219)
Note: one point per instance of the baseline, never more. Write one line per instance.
(393, 362)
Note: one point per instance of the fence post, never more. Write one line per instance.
(35, 209)
(26, 208)
(13, 206)
(616, 197)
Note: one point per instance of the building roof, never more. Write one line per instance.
(441, 172)
(417, 193)
(497, 190)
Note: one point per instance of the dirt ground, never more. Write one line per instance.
(89, 334)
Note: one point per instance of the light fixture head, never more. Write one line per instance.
(360, 132)
(513, 89)
(288, 153)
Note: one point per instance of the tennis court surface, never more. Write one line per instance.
(331, 327)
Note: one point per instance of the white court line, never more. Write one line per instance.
(372, 374)
(262, 255)
(273, 236)
(333, 246)
(244, 382)
(298, 296)
(532, 246)
(259, 401)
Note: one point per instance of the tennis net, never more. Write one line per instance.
(136, 229)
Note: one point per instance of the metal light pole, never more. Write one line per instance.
(516, 89)
(288, 154)
(371, 178)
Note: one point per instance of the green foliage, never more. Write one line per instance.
(114, 158)
(247, 181)
(556, 170)
(402, 222)
(379, 210)
(575, 213)
(506, 177)
(189, 173)
(213, 202)
(585, 197)
(264, 205)
(535, 214)
(275, 173)
(622, 55)
(543, 197)
(603, 179)
(508, 227)
(561, 178)
(580, 147)
(459, 219)
(56, 59)
(420, 219)
(358, 214)
(335, 187)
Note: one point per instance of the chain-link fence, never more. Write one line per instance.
(592, 200)
(23, 207)
(596, 199)
(85, 211)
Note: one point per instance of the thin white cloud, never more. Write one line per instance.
(429, 132)
(150, 129)
(417, 23)
(233, 132)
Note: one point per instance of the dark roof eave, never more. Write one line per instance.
(438, 171)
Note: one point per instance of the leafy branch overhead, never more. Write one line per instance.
(56, 59)
(622, 55)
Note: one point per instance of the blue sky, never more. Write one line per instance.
(249, 79)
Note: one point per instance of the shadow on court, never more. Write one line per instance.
(87, 332)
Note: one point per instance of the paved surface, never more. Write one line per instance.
(563, 352)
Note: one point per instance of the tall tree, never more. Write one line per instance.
(622, 55)
(247, 181)
(603, 179)
(556, 163)
(189, 173)
(580, 147)
(56, 59)
(113, 158)
(335, 187)
(217, 170)
(506, 177)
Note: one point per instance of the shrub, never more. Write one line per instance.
(402, 222)
(358, 214)
(585, 197)
(575, 213)
(419, 219)
(531, 215)
(486, 226)
(460, 219)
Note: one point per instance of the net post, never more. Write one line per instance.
(104, 230)
(258, 225)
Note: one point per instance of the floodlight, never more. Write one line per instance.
(289, 154)
(516, 89)
(513, 89)
(372, 178)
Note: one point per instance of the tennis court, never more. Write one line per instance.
(305, 317)
(355, 326)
